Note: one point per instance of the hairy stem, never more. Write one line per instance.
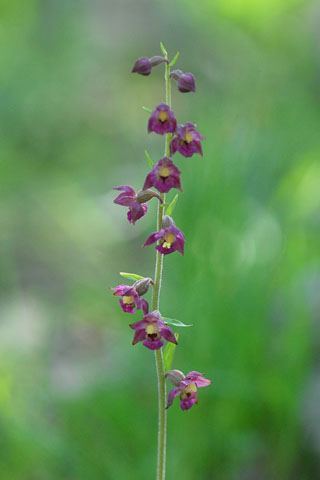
(162, 426)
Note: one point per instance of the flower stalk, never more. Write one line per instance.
(153, 329)
(162, 414)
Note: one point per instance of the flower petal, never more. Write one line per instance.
(173, 393)
(168, 334)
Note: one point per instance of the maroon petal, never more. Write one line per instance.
(124, 200)
(139, 335)
(127, 189)
(144, 305)
(168, 334)
(141, 324)
(173, 393)
(154, 237)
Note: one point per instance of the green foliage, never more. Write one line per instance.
(176, 323)
(172, 204)
(149, 159)
(175, 58)
(168, 354)
(131, 276)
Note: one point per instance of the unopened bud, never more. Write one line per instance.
(144, 196)
(142, 66)
(142, 286)
(167, 221)
(187, 83)
(175, 377)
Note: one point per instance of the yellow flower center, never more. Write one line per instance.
(186, 392)
(188, 137)
(168, 240)
(164, 172)
(151, 329)
(128, 300)
(163, 116)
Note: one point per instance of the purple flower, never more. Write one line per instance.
(170, 238)
(130, 298)
(162, 120)
(187, 387)
(142, 66)
(187, 141)
(164, 176)
(135, 201)
(151, 329)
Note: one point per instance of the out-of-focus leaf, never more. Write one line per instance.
(131, 276)
(149, 159)
(175, 58)
(176, 323)
(172, 205)
(168, 354)
(164, 51)
(147, 109)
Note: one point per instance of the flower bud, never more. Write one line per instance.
(156, 60)
(175, 377)
(142, 66)
(167, 221)
(144, 196)
(186, 83)
(142, 286)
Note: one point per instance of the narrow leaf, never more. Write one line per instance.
(172, 205)
(131, 276)
(164, 51)
(176, 323)
(168, 354)
(147, 109)
(149, 159)
(165, 205)
(175, 58)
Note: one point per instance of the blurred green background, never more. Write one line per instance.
(77, 401)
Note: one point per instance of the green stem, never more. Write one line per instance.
(162, 426)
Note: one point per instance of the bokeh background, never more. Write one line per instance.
(77, 401)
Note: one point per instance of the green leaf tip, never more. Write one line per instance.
(175, 58)
(148, 158)
(146, 109)
(164, 51)
(131, 276)
(172, 205)
(176, 323)
(168, 354)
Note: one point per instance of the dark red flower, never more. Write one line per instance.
(187, 141)
(164, 176)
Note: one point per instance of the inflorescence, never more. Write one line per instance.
(153, 329)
